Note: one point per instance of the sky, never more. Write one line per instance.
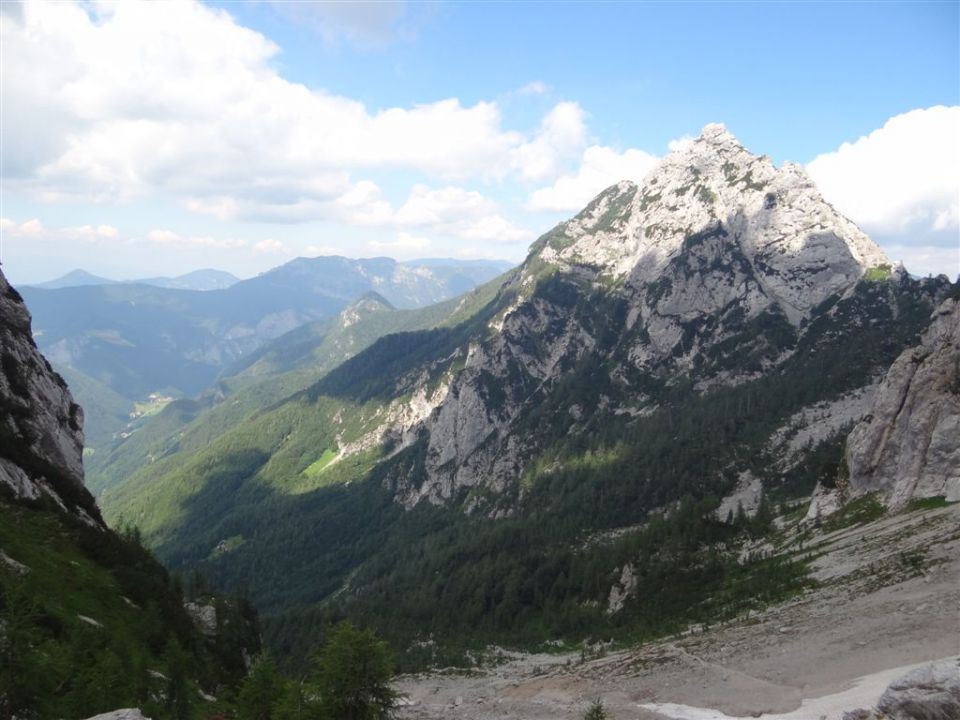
(142, 139)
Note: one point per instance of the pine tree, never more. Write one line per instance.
(353, 674)
(596, 711)
(260, 691)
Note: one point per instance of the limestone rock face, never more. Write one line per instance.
(41, 427)
(909, 445)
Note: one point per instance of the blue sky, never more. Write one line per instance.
(145, 139)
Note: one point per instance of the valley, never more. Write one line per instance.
(441, 360)
(684, 460)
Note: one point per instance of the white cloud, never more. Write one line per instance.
(679, 143)
(927, 259)
(100, 231)
(404, 241)
(494, 228)
(36, 229)
(164, 237)
(562, 134)
(535, 87)
(29, 229)
(435, 207)
(168, 237)
(113, 101)
(271, 246)
(600, 168)
(902, 180)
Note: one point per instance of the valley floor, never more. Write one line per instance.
(888, 599)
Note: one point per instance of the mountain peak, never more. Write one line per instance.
(716, 134)
(800, 247)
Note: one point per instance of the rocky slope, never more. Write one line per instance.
(909, 444)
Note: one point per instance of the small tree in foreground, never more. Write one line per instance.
(596, 711)
(353, 676)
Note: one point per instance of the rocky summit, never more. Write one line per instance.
(793, 248)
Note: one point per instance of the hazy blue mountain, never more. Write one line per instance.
(74, 278)
(206, 279)
(138, 339)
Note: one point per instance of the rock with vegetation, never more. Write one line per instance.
(909, 445)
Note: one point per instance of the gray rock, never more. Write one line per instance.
(125, 714)
(909, 444)
(931, 692)
(204, 617)
(41, 427)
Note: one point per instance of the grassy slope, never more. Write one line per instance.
(57, 664)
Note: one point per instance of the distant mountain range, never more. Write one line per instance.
(120, 343)
(206, 279)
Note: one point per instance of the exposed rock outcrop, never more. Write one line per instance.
(204, 616)
(930, 692)
(125, 714)
(41, 427)
(909, 445)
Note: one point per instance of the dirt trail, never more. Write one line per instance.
(889, 598)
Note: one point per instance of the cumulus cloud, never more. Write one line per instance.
(600, 167)
(404, 242)
(449, 211)
(901, 181)
(36, 229)
(107, 102)
(562, 134)
(271, 246)
(29, 229)
(168, 237)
